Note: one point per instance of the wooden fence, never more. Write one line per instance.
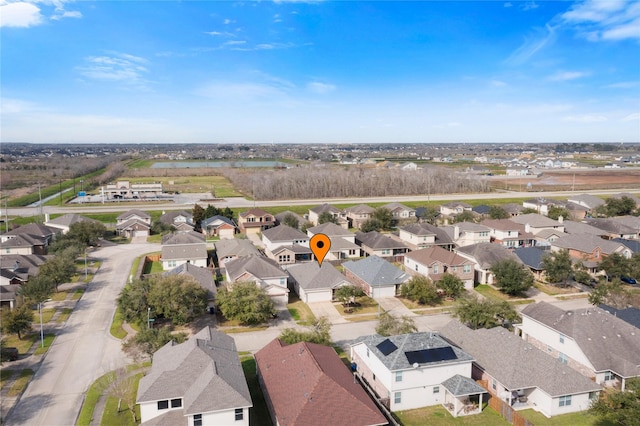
(504, 409)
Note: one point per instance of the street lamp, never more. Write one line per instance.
(85, 264)
(149, 317)
(41, 329)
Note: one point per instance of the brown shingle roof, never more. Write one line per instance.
(307, 384)
(433, 254)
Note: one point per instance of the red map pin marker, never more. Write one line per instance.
(320, 245)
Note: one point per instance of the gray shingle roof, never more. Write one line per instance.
(205, 371)
(434, 254)
(312, 277)
(34, 229)
(170, 217)
(608, 342)
(234, 247)
(630, 315)
(397, 206)
(515, 363)
(283, 233)
(397, 359)
(186, 237)
(462, 386)
(531, 256)
(132, 214)
(535, 220)
(325, 208)
(216, 221)
(488, 254)
(360, 209)
(281, 216)
(590, 201)
(185, 252)
(68, 219)
(633, 245)
(442, 235)
(571, 227)
(258, 266)
(203, 276)
(330, 229)
(376, 271)
(131, 223)
(587, 243)
(378, 241)
(612, 226)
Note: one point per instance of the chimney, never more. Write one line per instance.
(456, 232)
(46, 217)
(527, 228)
(16, 265)
(560, 220)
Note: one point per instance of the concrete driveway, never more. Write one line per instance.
(83, 350)
(326, 309)
(395, 307)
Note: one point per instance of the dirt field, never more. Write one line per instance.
(568, 180)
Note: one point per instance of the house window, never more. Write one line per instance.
(563, 358)
(284, 258)
(176, 403)
(374, 377)
(608, 376)
(239, 414)
(8, 250)
(436, 389)
(197, 420)
(397, 397)
(172, 263)
(561, 338)
(493, 384)
(386, 251)
(564, 401)
(593, 395)
(283, 281)
(596, 254)
(398, 376)
(163, 405)
(467, 268)
(251, 219)
(435, 269)
(549, 349)
(416, 266)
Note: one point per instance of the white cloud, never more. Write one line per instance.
(530, 5)
(20, 14)
(228, 21)
(586, 118)
(605, 20)
(117, 67)
(67, 14)
(498, 83)
(567, 75)
(320, 88)
(632, 117)
(623, 85)
(277, 18)
(532, 45)
(508, 4)
(234, 43)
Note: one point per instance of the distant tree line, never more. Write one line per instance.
(327, 181)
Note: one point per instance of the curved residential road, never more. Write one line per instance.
(84, 349)
(188, 200)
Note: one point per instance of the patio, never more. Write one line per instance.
(463, 396)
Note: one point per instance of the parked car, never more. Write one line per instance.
(8, 354)
(628, 280)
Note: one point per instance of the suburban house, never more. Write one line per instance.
(534, 223)
(315, 283)
(630, 315)
(592, 341)
(343, 245)
(590, 249)
(433, 262)
(484, 256)
(63, 223)
(203, 276)
(614, 228)
(467, 233)
(280, 217)
(283, 235)
(332, 231)
(264, 272)
(541, 205)
(532, 257)
(520, 374)
(8, 294)
(308, 384)
(36, 235)
(184, 247)
(416, 370)
(134, 223)
(227, 250)
(632, 222)
(374, 243)
(400, 211)
(589, 201)
(545, 237)
(338, 215)
(513, 209)
(218, 226)
(573, 227)
(22, 244)
(454, 208)
(181, 220)
(17, 268)
(255, 220)
(508, 233)
(357, 215)
(376, 276)
(634, 245)
(198, 382)
(421, 235)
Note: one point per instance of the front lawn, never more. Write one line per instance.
(5, 375)
(367, 305)
(47, 314)
(553, 290)
(59, 296)
(439, 416)
(258, 414)
(21, 382)
(570, 419)
(111, 415)
(48, 340)
(23, 345)
(492, 293)
(300, 311)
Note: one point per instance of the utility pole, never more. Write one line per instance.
(40, 203)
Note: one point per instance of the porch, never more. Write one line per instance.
(463, 396)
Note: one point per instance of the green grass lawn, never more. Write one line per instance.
(60, 296)
(21, 382)
(300, 311)
(367, 306)
(220, 184)
(553, 290)
(116, 329)
(439, 416)
(111, 415)
(572, 419)
(5, 376)
(155, 238)
(258, 414)
(64, 315)
(48, 340)
(91, 398)
(152, 268)
(490, 292)
(77, 294)
(47, 314)
(23, 345)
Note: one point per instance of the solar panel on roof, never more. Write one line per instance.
(386, 347)
(425, 356)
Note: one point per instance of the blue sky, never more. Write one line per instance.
(321, 71)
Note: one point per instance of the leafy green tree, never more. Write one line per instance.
(178, 298)
(430, 215)
(529, 210)
(245, 302)
(451, 285)
(619, 206)
(37, 289)
(487, 313)
(160, 228)
(497, 212)
(420, 289)
(558, 266)
(60, 268)
(634, 265)
(389, 325)
(199, 214)
(348, 293)
(306, 226)
(384, 217)
(615, 265)
(228, 213)
(318, 332)
(17, 320)
(149, 340)
(465, 216)
(87, 232)
(133, 301)
(371, 225)
(618, 407)
(326, 217)
(512, 277)
(290, 220)
(612, 293)
(556, 211)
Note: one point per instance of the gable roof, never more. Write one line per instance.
(360, 209)
(185, 237)
(571, 227)
(131, 213)
(330, 229)
(22, 240)
(513, 208)
(633, 245)
(608, 342)
(307, 384)
(587, 243)
(632, 222)
(481, 209)
(525, 366)
(283, 233)
(531, 256)
(234, 247)
(256, 265)
(430, 255)
(203, 276)
(325, 208)
(630, 315)
(535, 220)
(170, 217)
(255, 212)
(459, 385)
(588, 200)
(612, 226)
(377, 241)
(205, 371)
(310, 276)
(488, 254)
(282, 215)
(376, 271)
(454, 204)
(398, 354)
(503, 224)
(34, 229)
(66, 220)
(131, 223)
(397, 206)
(217, 221)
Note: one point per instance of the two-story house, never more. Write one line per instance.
(454, 208)
(255, 220)
(357, 215)
(339, 216)
(400, 212)
(343, 241)
(180, 220)
(133, 223)
(232, 249)
(590, 249)
(615, 228)
(589, 201)
(421, 235)
(263, 271)
(508, 233)
(184, 247)
(374, 243)
(484, 256)
(537, 223)
(434, 262)
(467, 233)
(286, 245)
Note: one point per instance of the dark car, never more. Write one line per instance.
(8, 354)
(627, 280)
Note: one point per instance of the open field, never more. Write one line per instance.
(192, 183)
(577, 180)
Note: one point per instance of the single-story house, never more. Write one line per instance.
(218, 226)
(376, 276)
(315, 283)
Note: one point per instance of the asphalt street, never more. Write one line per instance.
(84, 349)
